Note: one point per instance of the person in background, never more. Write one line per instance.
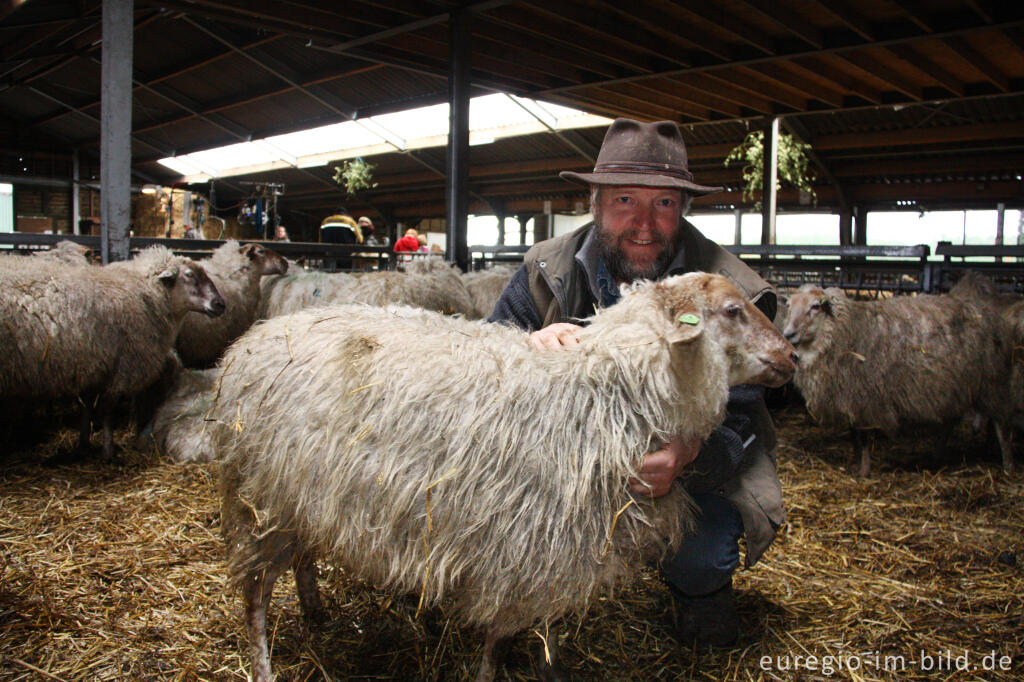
(281, 234)
(640, 191)
(409, 241)
(340, 228)
(369, 237)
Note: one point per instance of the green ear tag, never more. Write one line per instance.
(689, 318)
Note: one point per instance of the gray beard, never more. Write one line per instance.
(620, 268)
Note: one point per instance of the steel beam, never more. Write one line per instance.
(115, 130)
(456, 190)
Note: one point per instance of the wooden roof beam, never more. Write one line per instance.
(593, 26)
(742, 89)
(803, 30)
(708, 13)
(987, 69)
(848, 16)
(790, 80)
(928, 67)
(920, 136)
(656, 23)
(820, 68)
(982, 9)
(879, 70)
(916, 12)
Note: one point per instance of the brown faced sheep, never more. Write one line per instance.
(236, 272)
(879, 364)
(509, 498)
(103, 331)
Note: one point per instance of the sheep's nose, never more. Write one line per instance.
(217, 306)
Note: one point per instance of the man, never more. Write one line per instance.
(340, 228)
(640, 190)
(369, 238)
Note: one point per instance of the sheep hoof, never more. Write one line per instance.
(554, 672)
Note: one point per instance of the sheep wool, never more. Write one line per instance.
(103, 331)
(509, 496)
(236, 271)
(908, 359)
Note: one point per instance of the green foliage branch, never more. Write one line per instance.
(354, 175)
(793, 164)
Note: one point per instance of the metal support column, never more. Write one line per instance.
(737, 237)
(76, 207)
(115, 129)
(846, 226)
(457, 187)
(860, 228)
(770, 171)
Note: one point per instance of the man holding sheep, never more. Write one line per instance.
(640, 190)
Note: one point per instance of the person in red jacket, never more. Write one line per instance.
(409, 242)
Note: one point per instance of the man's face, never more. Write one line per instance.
(637, 230)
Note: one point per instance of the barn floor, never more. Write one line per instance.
(114, 572)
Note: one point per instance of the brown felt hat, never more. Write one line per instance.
(644, 154)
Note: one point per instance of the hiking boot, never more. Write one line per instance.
(708, 621)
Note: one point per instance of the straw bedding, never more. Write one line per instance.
(115, 572)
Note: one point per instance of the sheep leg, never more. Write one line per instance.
(862, 452)
(551, 670)
(1005, 438)
(108, 432)
(305, 584)
(495, 647)
(84, 426)
(256, 593)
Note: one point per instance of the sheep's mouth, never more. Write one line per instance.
(777, 373)
(214, 308)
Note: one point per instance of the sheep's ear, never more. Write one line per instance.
(826, 304)
(168, 276)
(688, 326)
(250, 250)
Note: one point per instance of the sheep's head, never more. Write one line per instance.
(701, 303)
(809, 308)
(192, 289)
(265, 261)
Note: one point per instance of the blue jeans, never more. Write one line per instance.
(706, 560)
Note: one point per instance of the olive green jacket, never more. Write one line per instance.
(560, 288)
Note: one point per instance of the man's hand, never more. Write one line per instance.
(661, 468)
(556, 336)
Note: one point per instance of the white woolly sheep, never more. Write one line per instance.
(67, 252)
(442, 291)
(236, 272)
(485, 287)
(976, 287)
(908, 359)
(509, 498)
(179, 427)
(98, 331)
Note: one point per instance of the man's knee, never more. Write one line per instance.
(707, 559)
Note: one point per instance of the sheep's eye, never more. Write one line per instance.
(732, 310)
(815, 306)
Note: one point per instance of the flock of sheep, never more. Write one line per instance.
(374, 421)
